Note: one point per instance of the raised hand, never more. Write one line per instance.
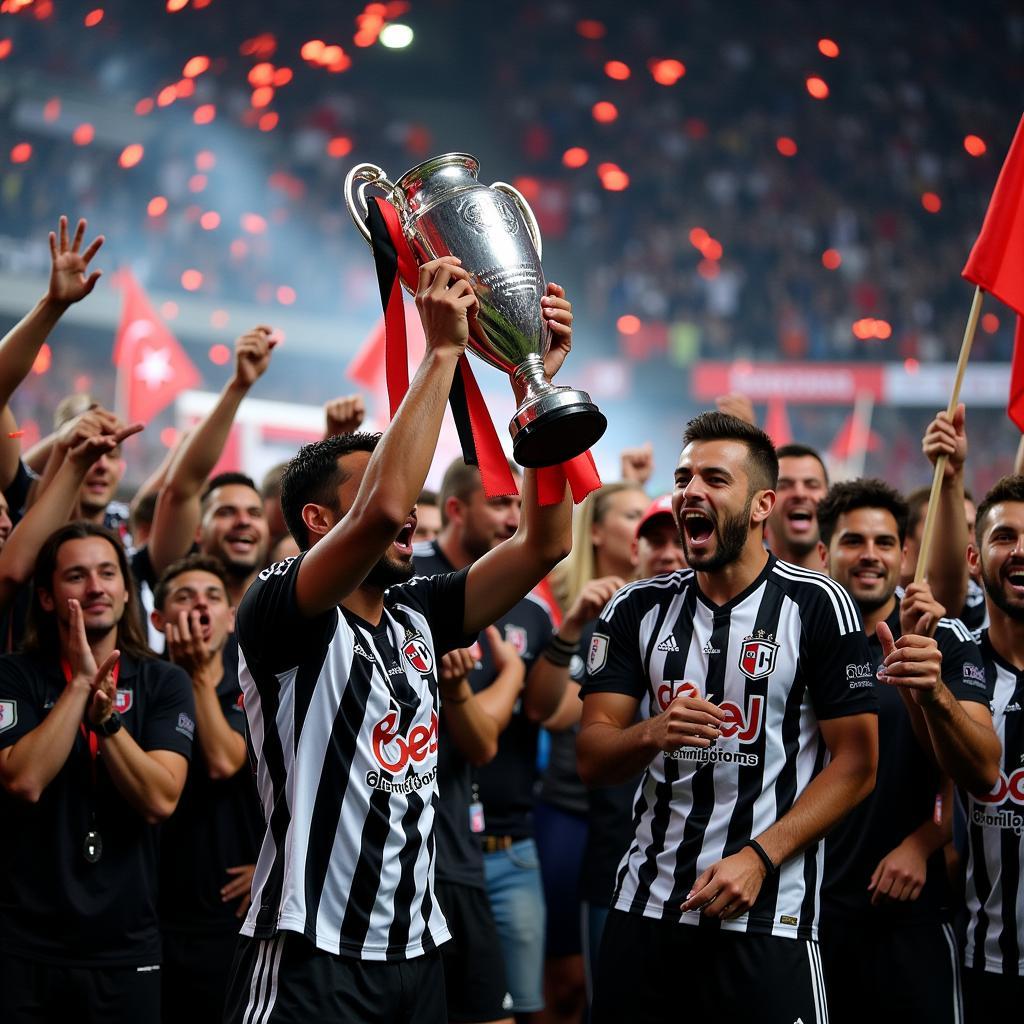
(947, 435)
(69, 278)
(446, 302)
(252, 355)
(592, 599)
(502, 651)
(187, 648)
(556, 310)
(93, 445)
(912, 662)
(637, 464)
(84, 671)
(455, 668)
(919, 611)
(344, 415)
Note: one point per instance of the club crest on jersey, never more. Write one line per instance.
(517, 637)
(8, 715)
(757, 655)
(418, 654)
(597, 655)
(123, 701)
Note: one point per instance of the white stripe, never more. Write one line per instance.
(656, 583)
(958, 1009)
(815, 990)
(845, 618)
(257, 980)
(799, 573)
(958, 629)
(275, 966)
(816, 949)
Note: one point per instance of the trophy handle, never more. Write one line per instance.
(532, 226)
(355, 198)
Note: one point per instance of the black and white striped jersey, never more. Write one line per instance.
(995, 830)
(343, 725)
(788, 651)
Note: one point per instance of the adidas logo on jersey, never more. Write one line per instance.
(358, 649)
(669, 644)
(708, 649)
(1011, 707)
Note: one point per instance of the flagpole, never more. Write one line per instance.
(860, 432)
(940, 462)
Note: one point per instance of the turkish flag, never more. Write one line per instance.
(776, 423)
(152, 368)
(996, 263)
(842, 445)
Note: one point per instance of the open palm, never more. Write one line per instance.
(70, 279)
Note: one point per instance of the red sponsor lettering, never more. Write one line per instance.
(393, 752)
(744, 724)
(1006, 788)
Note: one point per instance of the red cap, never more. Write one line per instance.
(659, 507)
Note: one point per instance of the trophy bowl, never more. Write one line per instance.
(445, 211)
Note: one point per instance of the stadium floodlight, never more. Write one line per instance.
(396, 36)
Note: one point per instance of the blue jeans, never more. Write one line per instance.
(592, 920)
(517, 900)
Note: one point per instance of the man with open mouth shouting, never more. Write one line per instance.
(752, 743)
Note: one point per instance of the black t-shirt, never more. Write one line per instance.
(218, 824)
(54, 905)
(561, 785)
(904, 796)
(974, 614)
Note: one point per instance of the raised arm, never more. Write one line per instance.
(177, 509)
(397, 469)
(947, 560)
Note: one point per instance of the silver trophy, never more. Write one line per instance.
(445, 211)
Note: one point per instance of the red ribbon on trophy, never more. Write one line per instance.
(395, 264)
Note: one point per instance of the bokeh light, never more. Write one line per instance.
(831, 259)
(786, 146)
(157, 206)
(628, 324)
(575, 156)
(219, 354)
(828, 47)
(604, 112)
(21, 153)
(667, 72)
(210, 220)
(975, 145)
(191, 280)
(931, 202)
(617, 70)
(990, 323)
(83, 134)
(817, 87)
(204, 113)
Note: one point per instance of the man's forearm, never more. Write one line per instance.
(606, 754)
(967, 751)
(148, 786)
(204, 447)
(33, 762)
(223, 748)
(545, 688)
(499, 699)
(947, 560)
(471, 729)
(830, 796)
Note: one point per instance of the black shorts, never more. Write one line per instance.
(287, 980)
(880, 973)
(474, 970)
(38, 993)
(991, 997)
(194, 976)
(652, 972)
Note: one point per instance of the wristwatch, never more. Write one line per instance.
(110, 727)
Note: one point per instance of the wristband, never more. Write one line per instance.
(769, 865)
(560, 652)
(110, 727)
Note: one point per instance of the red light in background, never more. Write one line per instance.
(575, 156)
(262, 96)
(197, 183)
(617, 70)
(613, 178)
(711, 249)
(990, 323)
(286, 295)
(698, 238)
(184, 88)
(282, 76)
(313, 50)
(176, 5)
(911, 365)
(21, 153)
(339, 146)
(239, 248)
(268, 121)
(589, 28)
(5, 48)
(191, 280)
(94, 17)
(210, 220)
(204, 114)
(604, 112)
(205, 160)
(628, 324)
(144, 106)
(830, 259)
(667, 72)
(828, 47)
(166, 96)
(83, 134)
(253, 223)
(51, 109)
(817, 87)
(786, 146)
(975, 145)
(261, 74)
(44, 357)
(931, 202)
(157, 206)
(195, 66)
(709, 269)
(219, 354)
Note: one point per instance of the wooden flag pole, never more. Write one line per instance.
(940, 462)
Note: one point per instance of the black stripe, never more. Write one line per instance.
(427, 903)
(385, 258)
(805, 930)
(333, 784)
(405, 891)
(366, 877)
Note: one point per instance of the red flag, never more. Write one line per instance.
(996, 263)
(152, 368)
(841, 448)
(776, 423)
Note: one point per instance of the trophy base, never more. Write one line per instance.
(556, 427)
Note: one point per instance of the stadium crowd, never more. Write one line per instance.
(794, 769)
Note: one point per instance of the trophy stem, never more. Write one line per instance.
(528, 379)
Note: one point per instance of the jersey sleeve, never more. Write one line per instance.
(835, 656)
(612, 655)
(272, 630)
(170, 722)
(442, 600)
(20, 710)
(963, 670)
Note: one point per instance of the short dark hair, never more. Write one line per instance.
(314, 476)
(462, 481)
(803, 451)
(227, 480)
(762, 460)
(427, 497)
(195, 562)
(41, 633)
(853, 494)
(1007, 488)
(270, 485)
(917, 502)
